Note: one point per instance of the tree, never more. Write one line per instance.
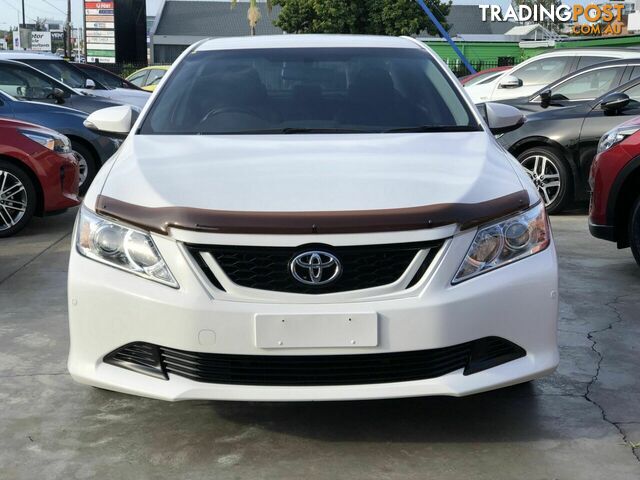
(374, 17)
(253, 13)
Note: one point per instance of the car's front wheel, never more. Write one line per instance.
(550, 175)
(634, 230)
(87, 166)
(17, 199)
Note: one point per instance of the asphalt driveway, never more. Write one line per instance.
(580, 423)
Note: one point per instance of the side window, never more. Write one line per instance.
(587, 85)
(23, 84)
(635, 73)
(634, 93)
(587, 61)
(543, 71)
(139, 78)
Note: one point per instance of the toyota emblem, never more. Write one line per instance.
(315, 268)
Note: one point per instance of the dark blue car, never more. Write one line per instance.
(90, 148)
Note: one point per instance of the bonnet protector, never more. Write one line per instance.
(160, 219)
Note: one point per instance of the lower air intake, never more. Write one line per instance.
(315, 370)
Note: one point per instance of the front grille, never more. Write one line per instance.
(316, 370)
(268, 268)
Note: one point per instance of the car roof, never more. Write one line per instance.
(618, 52)
(27, 55)
(306, 41)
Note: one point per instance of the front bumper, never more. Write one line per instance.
(109, 308)
(603, 232)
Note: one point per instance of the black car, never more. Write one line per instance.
(105, 77)
(556, 146)
(26, 83)
(579, 87)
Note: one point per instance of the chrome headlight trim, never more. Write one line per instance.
(120, 246)
(504, 242)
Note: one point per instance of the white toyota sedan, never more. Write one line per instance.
(316, 217)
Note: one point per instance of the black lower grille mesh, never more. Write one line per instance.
(268, 268)
(304, 370)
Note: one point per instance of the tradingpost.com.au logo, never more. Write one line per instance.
(605, 19)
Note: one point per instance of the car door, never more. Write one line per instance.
(598, 122)
(5, 107)
(533, 75)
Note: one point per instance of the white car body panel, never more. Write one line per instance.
(109, 308)
(350, 172)
(491, 91)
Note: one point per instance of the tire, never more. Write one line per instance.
(634, 230)
(18, 199)
(87, 163)
(551, 176)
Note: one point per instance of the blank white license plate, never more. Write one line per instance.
(316, 330)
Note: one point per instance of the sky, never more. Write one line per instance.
(10, 11)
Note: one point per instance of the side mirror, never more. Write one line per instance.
(502, 118)
(510, 81)
(112, 121)
(545, 98)
(58, 94)
(614, 102)
(90, 84)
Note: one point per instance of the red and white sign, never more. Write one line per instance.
(99, 5)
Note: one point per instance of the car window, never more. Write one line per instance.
(111, 81)
(589, 60)
(139, 78)
(635, 73)
(62, 71)
(155, 76)
(634, 93)
(25, 84)
(543, 71)
(587, 85)
(350, 90)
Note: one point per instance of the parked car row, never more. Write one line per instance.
(48, 155)
(579, 139)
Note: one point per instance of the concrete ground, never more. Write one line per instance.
(583, 422)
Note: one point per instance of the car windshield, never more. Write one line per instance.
(63, 71)
(308, 90)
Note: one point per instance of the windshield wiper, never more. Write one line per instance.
(433, 128)
(293, 130)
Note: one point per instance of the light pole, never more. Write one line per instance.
(67, 43)
(24, 24)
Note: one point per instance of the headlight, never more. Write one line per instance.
(615, 136)
(122, 247)
(53, 141)
(505, 242)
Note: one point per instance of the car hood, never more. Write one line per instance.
(137, 98)
(310, 173)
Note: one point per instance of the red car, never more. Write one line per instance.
(38, 174)
(614, 212)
